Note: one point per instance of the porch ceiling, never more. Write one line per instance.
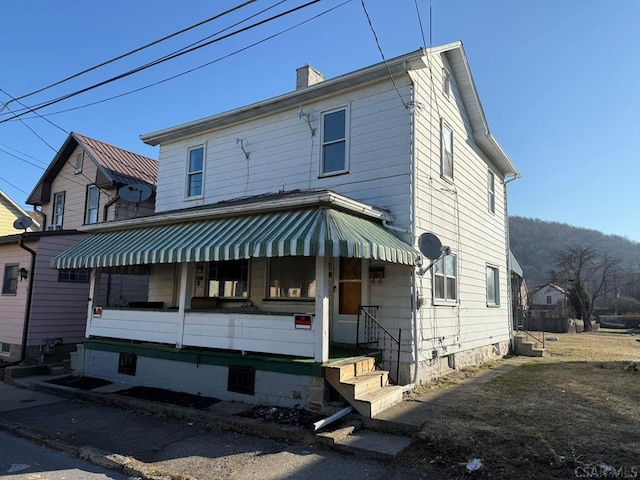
(310, 232)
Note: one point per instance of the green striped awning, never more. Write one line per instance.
(322, 232)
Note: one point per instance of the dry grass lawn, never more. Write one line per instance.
(572, 414)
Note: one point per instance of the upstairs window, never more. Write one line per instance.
(446, 141)
(493, 286)
(93, 198)
(292, 278)
(334, 142)
(77, 168)
(195, 172)
(446, 82)
(74, 275)
(491, 192)
(445, 279)
(549, 300)
(10, 281)
(229, 279)
(58, 210)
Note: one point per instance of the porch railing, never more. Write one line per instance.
(376, 337)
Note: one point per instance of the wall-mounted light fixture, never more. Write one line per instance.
(23, 273)
(376, 273)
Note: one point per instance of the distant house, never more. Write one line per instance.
(288, 232)
(549, 300)
(43, 311)
(10, 211)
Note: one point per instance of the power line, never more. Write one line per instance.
(21, 153)
(14, 186)
(158, 61)
(191, 70)
(124, 55)
(375, 36)
(22, 159)
(424, 42)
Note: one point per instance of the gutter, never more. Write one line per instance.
(27, 313)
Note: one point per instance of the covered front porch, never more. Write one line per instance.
(287, 284)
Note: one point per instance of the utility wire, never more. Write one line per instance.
(120, 57)
(424, 42)
(185, 72)
(375, 36)
(159, 61)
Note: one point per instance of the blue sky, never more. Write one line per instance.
(558, 80)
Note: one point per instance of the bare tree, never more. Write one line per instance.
(587, 271)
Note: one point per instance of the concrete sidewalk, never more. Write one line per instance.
(125, 438)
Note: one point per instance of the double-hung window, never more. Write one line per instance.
(493, 286)
(58, 210)
(10, 280)
(74, 275)
(491, 192)
(292, 278)
(334, 142)
(446, 146)
(195, 172)
(93, 198)
(445, 279)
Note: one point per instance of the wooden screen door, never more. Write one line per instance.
(348, 292)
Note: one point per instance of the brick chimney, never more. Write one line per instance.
(307, 76)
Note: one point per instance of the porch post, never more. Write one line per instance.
(321, 319)
(182, 302)
(94, 289)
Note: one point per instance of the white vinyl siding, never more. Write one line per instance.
(285, 156)
(334, 142)
(195, 172)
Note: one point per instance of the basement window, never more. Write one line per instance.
(241, 379)
(127, 363)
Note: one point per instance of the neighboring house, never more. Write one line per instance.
(10, 211)
(43, 311)
(549, 300)
(282, 225)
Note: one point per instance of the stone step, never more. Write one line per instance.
(375, 445)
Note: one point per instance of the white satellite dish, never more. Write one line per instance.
(430, 246)
(136, 193)
(23, 223)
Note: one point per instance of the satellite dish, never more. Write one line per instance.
(23, 223)
(430, 246)
(135, 193)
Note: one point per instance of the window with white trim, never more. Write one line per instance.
(334, 142)
(493, 286)
(77, 168)
(446, 146)
(195, 172)
(58, 209)
(292, 278)
(5, 349)
(445, 279)
(446, 82)
(10, 281)
(491, 191)
(93, 199)
(229, 279)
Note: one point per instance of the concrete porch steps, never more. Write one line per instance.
(365, 388)
(526, 346)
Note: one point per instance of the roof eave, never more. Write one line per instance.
(372, 73)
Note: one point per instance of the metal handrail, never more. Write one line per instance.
(533, 336)
(364, 310)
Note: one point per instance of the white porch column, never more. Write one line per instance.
(94, 289)
(184, 289)
(321, 320)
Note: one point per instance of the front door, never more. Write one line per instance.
(348, 294)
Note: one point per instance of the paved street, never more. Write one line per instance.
(23, 460)
(177, 446)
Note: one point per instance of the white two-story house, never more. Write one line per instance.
(287, 236)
